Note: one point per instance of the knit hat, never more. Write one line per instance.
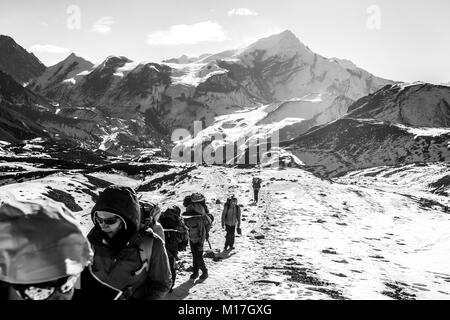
(197, 197)
(40, 241)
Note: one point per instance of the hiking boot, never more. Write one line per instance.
(231, 248)
(204, 275)
(194, 275)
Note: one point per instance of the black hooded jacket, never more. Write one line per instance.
(117, 261)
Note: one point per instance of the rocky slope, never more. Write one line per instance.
(16, 104)
(26, 115)
(399, 124)
(350, 144)
(17, 62)
(416, 105)
(53, 81)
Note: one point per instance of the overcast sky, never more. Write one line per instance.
(404, 40)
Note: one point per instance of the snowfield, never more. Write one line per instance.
(379, 233)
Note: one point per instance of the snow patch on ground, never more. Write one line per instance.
(194, 73)
(420, 132)
(313, 239)
(367, 235)
(71, 81)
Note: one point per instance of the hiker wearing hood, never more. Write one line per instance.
(199, 224)
(125, 257)
(231, 218)
(44, 255)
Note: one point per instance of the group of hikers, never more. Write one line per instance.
(130, 253)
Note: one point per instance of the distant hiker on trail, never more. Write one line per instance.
(176, 235)
(256, 184)
(231, 218)
(126, 256)
(45, 256)
(199, 224)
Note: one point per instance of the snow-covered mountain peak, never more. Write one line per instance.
(275, 69)
(346, 64)
(284, 44)
(64, 72)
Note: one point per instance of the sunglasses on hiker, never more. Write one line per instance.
(45, 290)
(108, 221)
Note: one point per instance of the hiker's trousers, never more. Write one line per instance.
(229, 238)
(173, 271)
(197, 257)
(255, 194)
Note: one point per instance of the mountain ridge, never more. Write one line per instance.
(18, 62)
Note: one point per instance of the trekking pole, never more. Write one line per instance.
(209, 244)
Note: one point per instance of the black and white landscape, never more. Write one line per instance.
(357, 207)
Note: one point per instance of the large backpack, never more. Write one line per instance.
(256, 182)
(187, 201)
(175, 230)
(149, 214)
(198, 198)
(199, 226)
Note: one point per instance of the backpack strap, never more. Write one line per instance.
(172, 230)
(147, 237)
(145, 249)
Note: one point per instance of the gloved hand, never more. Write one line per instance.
(239, 231)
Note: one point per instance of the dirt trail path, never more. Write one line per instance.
(312, 239)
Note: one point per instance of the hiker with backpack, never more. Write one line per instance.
(256, 184)
(200, 199)
(45, 256)
(176, 235)
(231, 219)
(127, 257)
(199, 223)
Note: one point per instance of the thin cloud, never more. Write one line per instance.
(206, 31)
(48, 48)
(241, 12)
(103, 25)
